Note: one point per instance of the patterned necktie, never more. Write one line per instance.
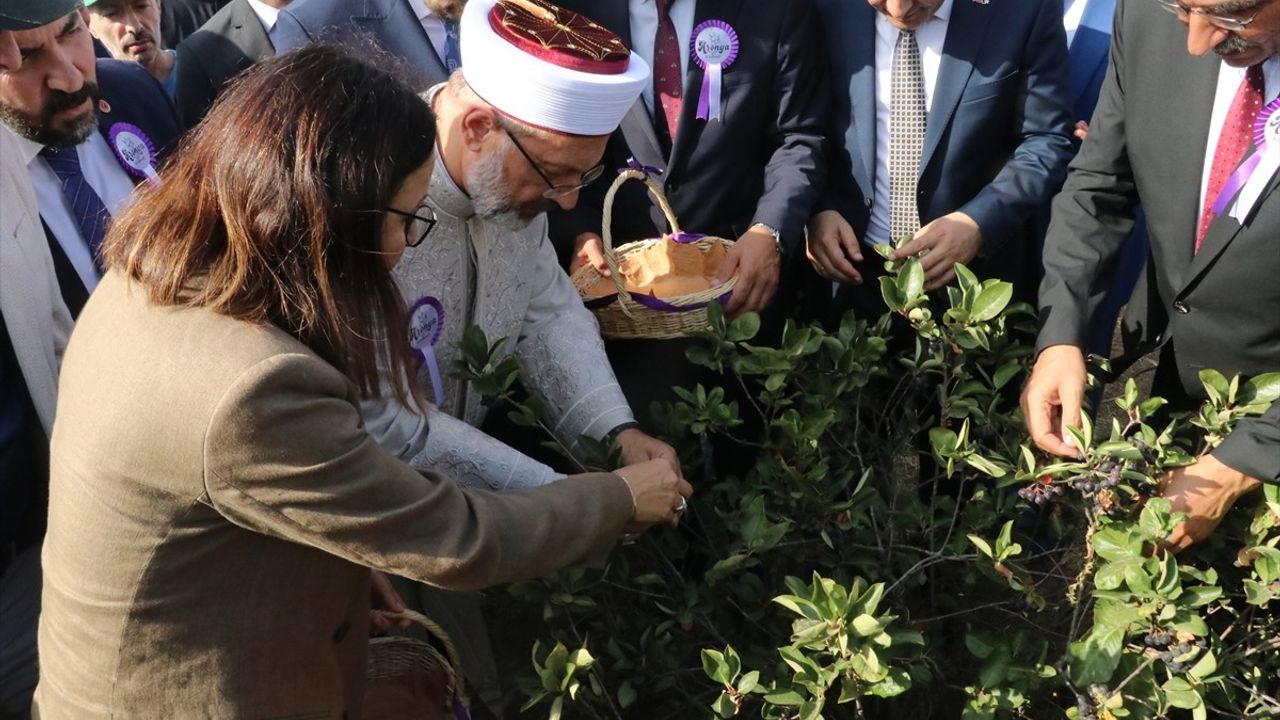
(1237, 136)
(452, 52)
(668, 83)
(90, 214)
(906, 136)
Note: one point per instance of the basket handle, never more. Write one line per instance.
(607, 223)
(455, 659)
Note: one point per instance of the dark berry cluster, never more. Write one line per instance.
(1088, 705)
(1040, 492)
(1171, 649)
(1107, 476)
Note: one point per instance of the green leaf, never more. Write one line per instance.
(983, 546)
(992, 301)
(724, 706)
(1215, 385)
(1179, 693)
(716, 667)
(626, 695)
(1114, 545)
(911, 280)
(744, 327)
(749, 682)
(1204, 667)
(1260, 391)
(892, 295)
(866, 626)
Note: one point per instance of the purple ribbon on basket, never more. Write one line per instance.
(460, 710)
(653, 303)
(1262, 135)
(648, 171)
(714, 47)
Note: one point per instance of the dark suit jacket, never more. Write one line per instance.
(1221, 306)
(131, 96)
(392, 24)
(763, 162)
(1089, 52)
(224, 47)
(180, 18)
(999, 130)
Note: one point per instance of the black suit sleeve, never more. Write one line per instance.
(1092, 215)
(796, 173)
(1253, 448)
(194, 90)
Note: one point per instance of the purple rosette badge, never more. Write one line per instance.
(1254, 173)
(426, 325)
(135, 151)
(714, 47)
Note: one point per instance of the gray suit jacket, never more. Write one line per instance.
(391, 24)
(215, 504)
(222, 48)
(1147, 143)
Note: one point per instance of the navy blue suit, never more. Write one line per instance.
(392, 24)
(998, 135)
(1090, 50)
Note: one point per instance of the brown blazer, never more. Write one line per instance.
(215, 502)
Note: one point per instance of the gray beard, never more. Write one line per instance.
(485, 183)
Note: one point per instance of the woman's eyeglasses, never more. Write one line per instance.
(424, 214)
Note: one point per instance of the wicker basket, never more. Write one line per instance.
(624, 316)
(396, 664)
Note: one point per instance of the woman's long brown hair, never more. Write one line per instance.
(271, 210)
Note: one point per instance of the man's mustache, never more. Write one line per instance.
(1232, 45)
(140, 36)
(59, 100)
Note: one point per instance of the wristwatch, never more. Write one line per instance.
(777, 234)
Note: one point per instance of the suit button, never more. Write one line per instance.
(868, 201)
(1181, 307)
(341, 633)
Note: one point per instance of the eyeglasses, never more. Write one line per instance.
(554, 191)
(423, 214)
(1229, 24)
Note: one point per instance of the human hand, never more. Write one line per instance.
(755, 260)
(385, 598)
(950, 239)
(638, 447)
(659, 493)
(1204, 491)
(1052, 399)
(589, 250)
(833, 248)
(1082, 130)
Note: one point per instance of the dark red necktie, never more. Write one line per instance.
(1236, 138)
(668, 82)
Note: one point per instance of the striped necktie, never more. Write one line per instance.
(87, 209)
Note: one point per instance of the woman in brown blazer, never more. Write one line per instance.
(215, 502)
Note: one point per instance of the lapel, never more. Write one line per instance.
(1200, 82)
(726, 10)
(1222, 231)
(247, 33)
(966, 32)
(385, 18)
(637, 126)
(861, 27)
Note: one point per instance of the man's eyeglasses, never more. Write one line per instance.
(1229, 24)
(554, 191)
(423, 214)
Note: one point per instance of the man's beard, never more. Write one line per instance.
(40, 129)
(448, 9)
(487, 186)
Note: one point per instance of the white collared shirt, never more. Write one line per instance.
(644, 27)
(1072, 16)
(930, 38)
(433, 24)
(267, 16)
(1229, 79)
(104, 175)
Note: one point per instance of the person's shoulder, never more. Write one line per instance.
(316, 14)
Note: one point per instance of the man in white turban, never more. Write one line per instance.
(521, 127)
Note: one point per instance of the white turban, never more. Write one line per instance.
(549, 86)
